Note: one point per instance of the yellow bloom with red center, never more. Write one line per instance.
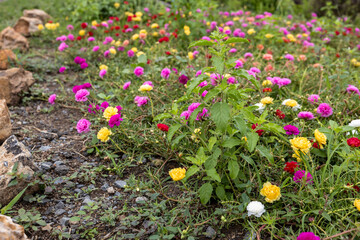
(94, 23)
(270, 192)
(300, 144)
(104, 134)
(177, 174)
(357, 204)
(267, 100)
(320, 138)
(109, 112)
(145, 88)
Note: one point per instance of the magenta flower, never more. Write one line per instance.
(204, 93)
(115, 120)
(289, 57)
(70, 27)
(52, 99)
(148, 83)
(202, 114)
(291, 130)
(307, 236)
(102, 73)
(81, 95)
(62, 69)
(324, 110)
(193, 106)
(91, 39)
(300, 174)
(104, 105)
(165, 73)
(352, 89)
(232, 80)
(183, 79)
(203, 84)
(238, 64)
(84, 65)
(83, 125)
(71, 37)
(306, 115)
(140, 101)
(62, 46)
(186, 114)
(198, 73)
(313, 98)
(248, 55)
(126, 85)
(138, 71)
(233, 50)
(96, 48)
(130, 53)
(106, 53)
(79, 60)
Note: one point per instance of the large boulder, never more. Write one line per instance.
(26, 25)
(5, 124)
(6, 57)
(16, 170)
(10, 39)
(37, 13)
(10, 230)
(12, 82)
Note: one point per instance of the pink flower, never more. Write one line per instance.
(91, 39)
(138, 71)
(324, 110)
(233, 50)
(306, 115)
(148, 83)
(126, 85)
(248, 55)
(52, 99)
(62, 46)
(307, 236)
(352, 89)
(165, 73)
(300, 174)
(81, 95)
(130, 53)
(313, 98)
(96, 48)
(239, 64)
(70, 27)
(232, 80)
(106, 53)
(102, 73)
(140, 101)
(115, 120)
(62, 69)
(83, 125)
(79, 60)
(84, 65)
(186, 114)
(289, 57)
(71, 37)
(193, 106)
(204, 93)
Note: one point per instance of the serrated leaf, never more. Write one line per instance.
(191, 171)
(212, 141)
(231, 142)
(273, 127)
(265, 153)
(219, 64)
(233, 168)
(201, 43)
(220, 192)
(162, 116)
(220, 114)
(236, 40)
(240, 124)
(213, 174)
(205, 192)
(211, 162)
(172, 130)
(248, 159)
(194, 83)
(252, 139)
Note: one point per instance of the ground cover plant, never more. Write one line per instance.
(250, 120)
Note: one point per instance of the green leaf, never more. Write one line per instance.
(201, 43)
(75, 219)
(236, 40)
(13, 202)
(265, 153)
(191, 171)
(233, 168)
(194, 83)
(205, 192)
(326, 216)
(211, 94)
(240, 124)
(142, 58)
(194, 114)
(220, 192)
(211, 162)
(248, 115)
(248, 159)
(273, 127)
(172, 130)
(162, 116)
(252, 139)
(220, 113)
(213, 174)
(212, 141)
(219, 63)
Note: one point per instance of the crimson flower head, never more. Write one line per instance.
(290, 167)
(84, 25)
(259, 132)
(168, 53)
(163, 39)
(163, 127)
(353, 142)
(267, 90)
(280, 114)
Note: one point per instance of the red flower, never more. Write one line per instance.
(337, 55)
(84, 25)
(168, 53)
(163, 127)
(106, 31)
(123, 30)
(91, 34)
(78, 38)
(148, 24)
(315, 144)
(50, 21)
(267, 90)
(353, 142)
(117, 19)
(259, 132)
(129, 18)
(148, 61)
(117, 27)
(135, 26)
(290, 167)
(280, 114)
(163, 39)
(175, 34)
(337, 33)
(126, 2)
(117, 34)
(126, 26)
(154, 16)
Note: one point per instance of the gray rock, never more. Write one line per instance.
(104, 187)
(141, 199)
(59, 181)
(59, 205)
(77, 190)
(87, 200)
(59, 212)
(120, 184)
(45, 148)
(250, 235)
(64, 221)
(111, 190)
(45, 166)
(58, 163)
(210, 232)
(62, 169)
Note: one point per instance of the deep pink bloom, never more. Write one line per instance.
(91, 39)
(81, 95)
(96, 48)
(193, 106)
(52, 99)
(202, 114)
(141, 100)
(313, 98)
(119, 108)
(102, 73)
(198, 73)
(306, 115)
(126, 85)
(71, 37)
(307, 236)
(289, 57)
(70, 27)
(239, 64)
(148, 83)
(62, 69)
(115, 120)
(62, 46)
(84, 65)
(130, 53)
(291, 130)
(300, 174)
(352, 89)
(165, 73)
(83, 125)
(203, 84)
(138, 71)
(183, 79)
(324, 110)
(186, 114)
(104, 105)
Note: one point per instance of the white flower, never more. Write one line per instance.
(260, 106)
(255, 208)
(291, 103)
(355, 123)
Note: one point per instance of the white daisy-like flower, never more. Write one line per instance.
(260, 106)
(291, 103)
(355, 123)
(255, 208)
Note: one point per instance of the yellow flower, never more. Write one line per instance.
(187, 32)
(266, 83)
(117, 43)
(190, 55)
(197, 130)
(270, 192)
(139, 53)
(143, 31)
(357, 204)
(305, 35)
(116, 5)
(269, 35)
(103, 66)
(251, 31)
(266, 100)
(173, 50)
(226, 28)
(290, 103)
(145, 88)
(104, 134)
(138, 19)
(155, 34)
(112, 51)
(236, 19)
(134, 49)
(94, 23)
(57, 24)
(244, 138)
(82, 32)
(154, 25)
(177, 173)
(135, 36)
(109, 112)
(291, 38)
(40, 27)
(320, 138)
(138, 14)
(300, 144)
(207, 23)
